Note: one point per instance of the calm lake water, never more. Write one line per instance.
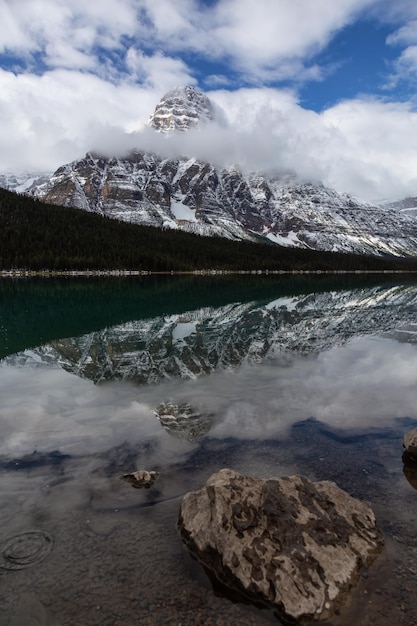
(314, 376)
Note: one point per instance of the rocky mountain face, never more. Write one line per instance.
(196, 196)
(181, 109)
(197, 343)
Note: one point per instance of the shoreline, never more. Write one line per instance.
(20, 273)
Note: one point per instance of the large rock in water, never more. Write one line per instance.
(288, 543)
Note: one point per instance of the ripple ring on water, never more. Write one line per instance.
(25, 549)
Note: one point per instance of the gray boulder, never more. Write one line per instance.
(287, 543)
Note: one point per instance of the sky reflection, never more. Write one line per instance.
(365, 384)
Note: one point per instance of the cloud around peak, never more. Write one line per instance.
(79, 76)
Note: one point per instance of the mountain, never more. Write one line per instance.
(198, 197)
(188, 194)
(181, 109)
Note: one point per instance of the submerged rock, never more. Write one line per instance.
(287, 543)
(141, 478)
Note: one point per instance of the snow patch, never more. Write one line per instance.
(290, 240)
(287, 303)
(183, 330)
(182, 212)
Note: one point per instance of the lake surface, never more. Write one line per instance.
(308, 375)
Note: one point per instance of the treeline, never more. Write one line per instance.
(37, 236)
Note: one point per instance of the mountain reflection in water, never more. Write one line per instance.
(193, 343)
(318, 380)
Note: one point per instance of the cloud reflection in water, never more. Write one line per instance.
(365, 384)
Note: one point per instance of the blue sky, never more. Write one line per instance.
(359, 63)
(324, 87)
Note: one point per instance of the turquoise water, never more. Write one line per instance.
(308, 376)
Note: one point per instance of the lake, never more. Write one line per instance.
(311, 375)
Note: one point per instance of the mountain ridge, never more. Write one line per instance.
(185, 193)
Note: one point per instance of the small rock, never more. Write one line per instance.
(141, 478)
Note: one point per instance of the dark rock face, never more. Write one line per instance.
(291, 544)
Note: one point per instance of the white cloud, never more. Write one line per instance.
(366, 384)
(110, 62)
(261, 39)
(372, 148)
(158, 71)
(407, 34)
(405, 66)
(260, 33)
(365, 147)
(65, 32)
(51, 119)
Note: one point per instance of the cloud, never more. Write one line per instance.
(259, 39)
(59, 411)
(407, 34)
(371, 148)
(158, 71)
(405, 66)
(65, 33)
(94, 73)
(259, 35)
(48, 120)
(364, 147)
(363, 385)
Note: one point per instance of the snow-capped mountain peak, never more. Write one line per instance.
(201, 197)
(180, 109)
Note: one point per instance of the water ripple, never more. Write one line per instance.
(25, 549)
